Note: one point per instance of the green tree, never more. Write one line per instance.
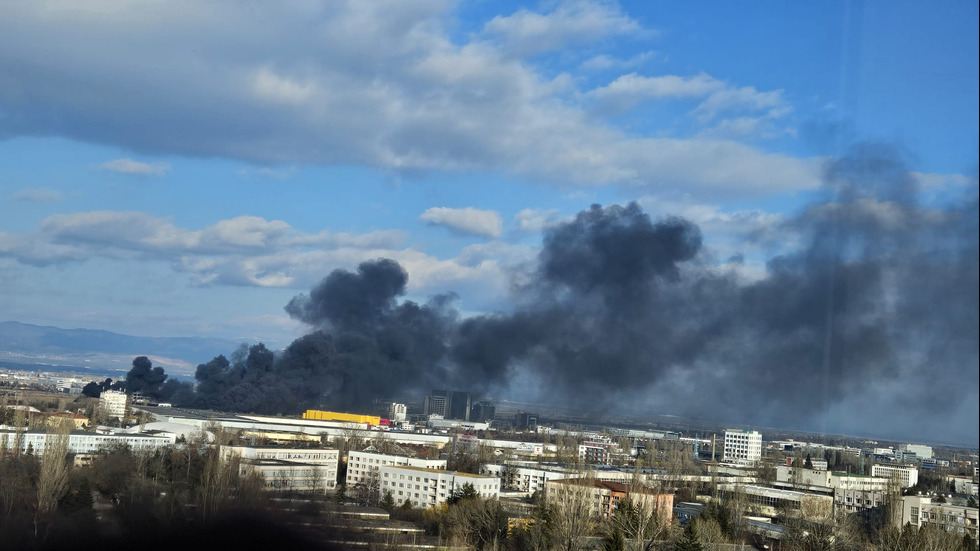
(688, 541)
(388, 502)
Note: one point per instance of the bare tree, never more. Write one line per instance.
(53, 476)
(52, 480)
(217, 481)
(570, 512)
(643, 518)
(351, 438)
(475, 522)
(368, 490)
(316, 480)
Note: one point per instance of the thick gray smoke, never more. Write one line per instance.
(870, 321)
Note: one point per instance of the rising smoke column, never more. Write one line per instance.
(867, 319)
(368, 345)
(871, 319)
(598, 312)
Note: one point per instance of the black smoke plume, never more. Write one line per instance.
(868, 320)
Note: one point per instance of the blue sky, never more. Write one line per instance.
(184, 168)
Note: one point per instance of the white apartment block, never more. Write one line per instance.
(525, 479)
(294, 476)
(742, 446)
(772, 501)
(84, 442)
(907, 476)
(964, 485)
(826, 481)
(360, 464)
(920, 511)
(322, 456)
(853, 500)
(430, 487)
(114, 402)
(304, 469)
(398, 413)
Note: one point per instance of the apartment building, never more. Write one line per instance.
(84, 442)
(921, 511)
(425, 488)
(742, 446)
(301, 469)
(604, 496)
(525, 479)
(906, 476)
(114, 403)
(361, 465)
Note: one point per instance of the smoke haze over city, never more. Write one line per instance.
(621, 312)
(751, 214)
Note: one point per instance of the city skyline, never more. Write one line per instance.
(190, 170)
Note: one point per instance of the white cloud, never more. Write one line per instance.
(38, 195)
(117, 234)
(535, 220)
(744, 98)
(627, 90)
(571, 22)
(467, 220)
(254, 252)
(604, 62)
(933, 181)
(716, 99)
(129, 166)
(376, 84)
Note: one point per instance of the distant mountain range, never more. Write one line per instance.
(25, 346)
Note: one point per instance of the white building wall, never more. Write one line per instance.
(524, 479)
(361, 464)
(919, 511)
(429, 487)
(920, 451)
(397, 412)
(907, 476)
(302, 461)
(114, 403)
(742, 446)
(84, 442)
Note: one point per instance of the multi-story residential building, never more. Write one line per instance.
(963, 485)
(437, 404)
(113, 403)
(604, 496)
(921, 511)
(597, 453)
(425, 488)
(365, 466)
(297, 476)
(772, 501)
(852, 500)
(303, 469)
(398, 413)
(84, 442)
(906, 476)
(826, 481)
(742, 446)
(525, 478)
